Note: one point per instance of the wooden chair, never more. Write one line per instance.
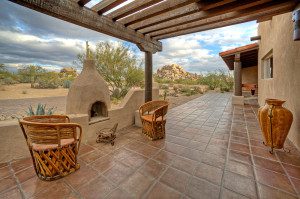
(53, 143)
(153, 119)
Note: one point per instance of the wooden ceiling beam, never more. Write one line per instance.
(223, 23)
(82, 2)
(272, 6)
(177, 13)
(106, 5)
(157, 9)
(131, 8)
(234, 6)
(72, 12)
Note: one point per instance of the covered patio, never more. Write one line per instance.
(212, 149)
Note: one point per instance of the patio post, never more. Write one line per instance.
(237, 75)
(238, 98)
(148, 76)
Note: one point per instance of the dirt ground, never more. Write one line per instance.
(14, 104)
(21, 91)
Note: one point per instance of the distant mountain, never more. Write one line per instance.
(173, 72)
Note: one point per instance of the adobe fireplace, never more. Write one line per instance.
(89, 94)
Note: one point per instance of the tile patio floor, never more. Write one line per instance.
(211, 150)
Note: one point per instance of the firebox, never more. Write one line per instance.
(98, 109)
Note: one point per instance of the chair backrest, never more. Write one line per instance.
(48, 129)
(152, 106)
(160, 112)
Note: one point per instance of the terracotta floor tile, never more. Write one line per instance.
(239, 134)
(267, 192)
(228, 194)
(213, 160)
(4, 171)
(175, 179)
(119, 193)
(210, 173)
(296, 183)
(240, 184)
(239, 147)
(218, 142)
(201, 138)
(198, 188)
(118, 173)
(217, 150)
(84, 148)
(239, 140)
(103, 163)
(137, 184)
(192, 154)
(184, 164)
(220, 136)
(34, 186)
(197, 145)
(81, 176)
(268, 164)
(288, 159)
(58, 190)
(161, 191)
(97, 188)
(21, 164)
(92, 156)
(7, 183)
(134, 160)
(263, 152)
(292, 171)
(148, 151)
(26, 174)
(174, 148)
(157, 143)
(274, 179)
(257, 143)
(165, 157)
(152, 169)
(240, 168)
(11, 194)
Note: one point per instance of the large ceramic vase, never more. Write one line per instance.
(275, 122)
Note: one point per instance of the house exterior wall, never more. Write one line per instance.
(249, 75)
(277, 36)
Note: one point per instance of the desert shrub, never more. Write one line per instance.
(7, 77)
(24, 92)
(48, 80)
(67, 83)
(40, 110)
(218, 79)
(30, 74)
(164, 86)
(198, 89)
(186, 90)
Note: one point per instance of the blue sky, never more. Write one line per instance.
(29, 37)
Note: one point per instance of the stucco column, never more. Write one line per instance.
(237, 75)
(148, 76)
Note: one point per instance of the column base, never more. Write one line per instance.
(237, 100)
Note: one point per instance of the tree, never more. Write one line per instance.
(118, 66)
(30, 74)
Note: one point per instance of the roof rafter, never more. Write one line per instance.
(160, 8)
(271, 6)
(131, 8)
(83, 2)
(106, 5)
(223, 23)
(179, 12)
(234, 6)
(72, 12)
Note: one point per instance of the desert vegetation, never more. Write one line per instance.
(38, 77)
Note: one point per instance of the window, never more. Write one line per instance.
(267, 66)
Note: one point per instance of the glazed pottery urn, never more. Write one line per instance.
(275, 122)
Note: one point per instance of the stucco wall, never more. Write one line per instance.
(277, 35)
(13, 145)
(249, 75)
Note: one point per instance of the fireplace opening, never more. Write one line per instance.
(98, 110)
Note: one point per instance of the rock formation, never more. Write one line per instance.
(173, 72)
